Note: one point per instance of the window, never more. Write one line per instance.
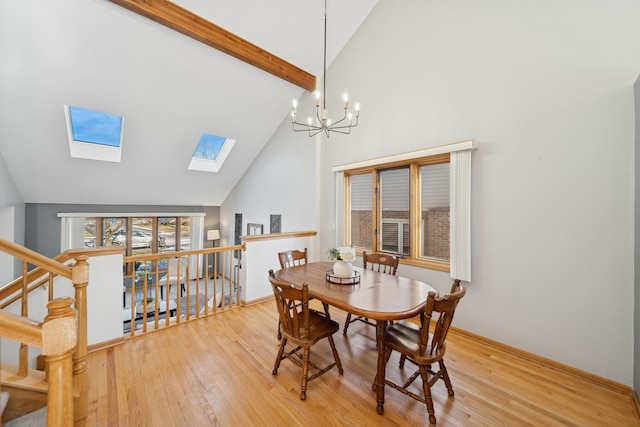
(435, 211)
(211, 153)
(398, 214)
(416, 205)
(94, 135)
(361, 214)
(139, 235)
(394, 213)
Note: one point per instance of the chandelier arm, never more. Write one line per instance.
(306, 127)
(339, 121)
(338, 130)
(350, 125)
(317, 131)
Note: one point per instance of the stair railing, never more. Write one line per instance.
(44, 271)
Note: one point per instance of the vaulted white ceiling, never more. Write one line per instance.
(169, 88)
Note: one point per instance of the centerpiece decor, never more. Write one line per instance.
(343, 256)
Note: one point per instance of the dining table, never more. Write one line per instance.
(374, 295)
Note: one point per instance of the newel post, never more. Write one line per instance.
(80, 279)
(59, 339)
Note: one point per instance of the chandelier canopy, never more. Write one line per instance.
(323, 123)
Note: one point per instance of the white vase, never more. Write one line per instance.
(342, 269)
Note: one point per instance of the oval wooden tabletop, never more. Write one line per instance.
(378, 296)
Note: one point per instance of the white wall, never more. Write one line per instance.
(546, 90)
(104, 298)
(12, 211)
(260, 257)
(280, 181)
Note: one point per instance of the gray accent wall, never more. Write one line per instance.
(636, 286)
(43, 225)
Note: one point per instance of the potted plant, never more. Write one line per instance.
(150, 305)
(343, 256)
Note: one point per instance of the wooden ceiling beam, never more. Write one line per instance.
(179, 19)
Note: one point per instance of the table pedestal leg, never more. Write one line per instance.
(378, 385)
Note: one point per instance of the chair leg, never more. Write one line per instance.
(279, 356)
(335, 354)
(279, 331)
(445, 377)
(305, 372)
(427, 393)
(326, 310)
(346, 323)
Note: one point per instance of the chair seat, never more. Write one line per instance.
(404, 337)
(173, 280)
(319, 327)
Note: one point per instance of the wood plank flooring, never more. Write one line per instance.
(217, 372)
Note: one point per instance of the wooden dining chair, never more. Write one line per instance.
(423, 348)
(292, 258)
(376, 261)
(304, 327)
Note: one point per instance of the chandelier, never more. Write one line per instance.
(323, 122)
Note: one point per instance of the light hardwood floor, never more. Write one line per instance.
(217, 371)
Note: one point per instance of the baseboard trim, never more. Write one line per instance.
(595, 379)
(105, 344)
(257, 301)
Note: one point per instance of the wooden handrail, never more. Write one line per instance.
(20, 329)
(35, 258)
(16, 285)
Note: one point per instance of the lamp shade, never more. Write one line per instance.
(213, 235)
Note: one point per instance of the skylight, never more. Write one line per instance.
(211, 153)
(93, 134)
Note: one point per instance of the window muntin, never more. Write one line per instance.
(399, 224)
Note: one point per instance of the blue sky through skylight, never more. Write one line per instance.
(209, 147)
(95, 127)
